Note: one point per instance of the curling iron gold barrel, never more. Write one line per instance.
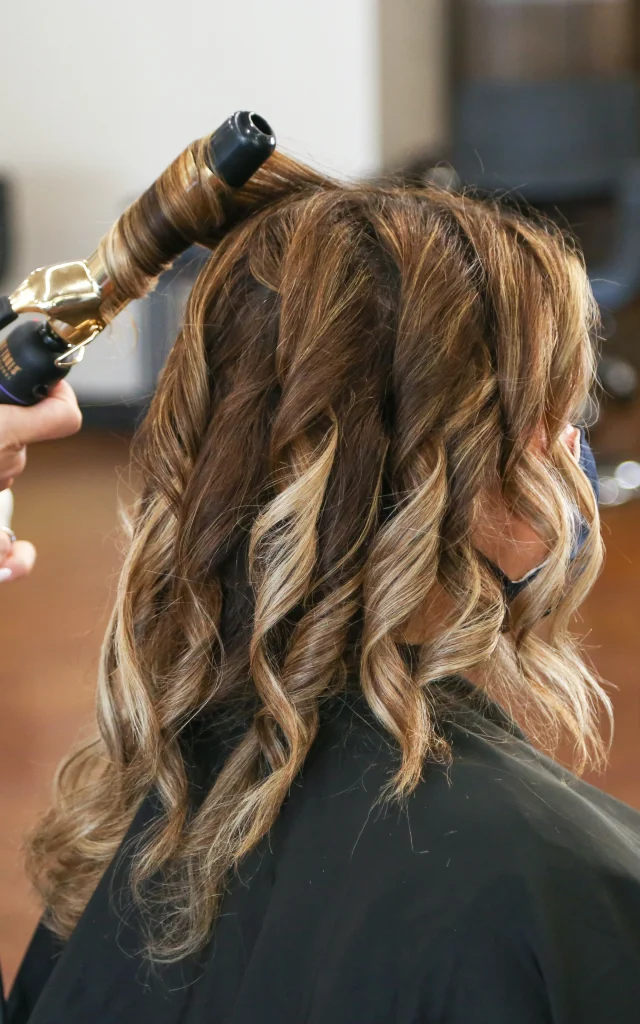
(80, 298)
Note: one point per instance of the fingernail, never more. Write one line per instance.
(5, 574)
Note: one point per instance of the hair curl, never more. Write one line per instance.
(358, 363)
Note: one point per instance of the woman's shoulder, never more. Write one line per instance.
(509, 884)
(499, 807)
(514, 789)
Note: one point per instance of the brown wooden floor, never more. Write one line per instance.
(52, 625)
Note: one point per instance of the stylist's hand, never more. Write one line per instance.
(56, 416)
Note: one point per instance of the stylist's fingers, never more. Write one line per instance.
(19, 563)
(6, 544)
(56, 416)
(12, 462)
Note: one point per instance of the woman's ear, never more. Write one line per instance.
(507, 541)
(571, 437)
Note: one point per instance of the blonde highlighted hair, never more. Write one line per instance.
(358, 364)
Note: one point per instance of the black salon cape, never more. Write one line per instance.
(506, 892)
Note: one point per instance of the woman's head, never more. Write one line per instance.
(362, 371)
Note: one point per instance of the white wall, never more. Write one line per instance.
(412, 79)
(97, 97)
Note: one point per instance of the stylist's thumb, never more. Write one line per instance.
(19, 562)
(56, 416)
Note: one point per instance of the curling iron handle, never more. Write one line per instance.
(29, 363)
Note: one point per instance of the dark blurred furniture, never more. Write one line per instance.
(546, 103)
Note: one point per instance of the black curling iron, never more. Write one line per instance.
(78, 299)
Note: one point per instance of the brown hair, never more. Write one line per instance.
(358, 363)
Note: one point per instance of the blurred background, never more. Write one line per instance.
(535, 99)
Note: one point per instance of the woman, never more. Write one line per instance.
(309, 799)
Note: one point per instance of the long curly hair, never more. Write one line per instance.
(358, 365)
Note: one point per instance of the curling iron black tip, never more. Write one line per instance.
(240, 146)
